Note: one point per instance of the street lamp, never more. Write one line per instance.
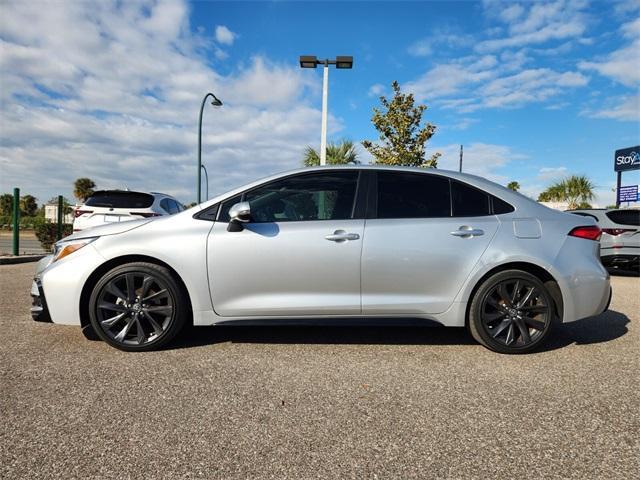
(311, 61)
(206, 180)
(216, 102)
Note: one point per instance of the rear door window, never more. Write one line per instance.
(117, 199)
(412, 195)
(468, 201)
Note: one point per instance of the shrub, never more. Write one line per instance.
(46, 233)
(26, 223)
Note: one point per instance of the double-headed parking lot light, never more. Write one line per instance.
(311, 61)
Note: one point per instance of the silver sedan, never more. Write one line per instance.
(338, 244)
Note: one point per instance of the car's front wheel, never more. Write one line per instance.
(511, 312)
(138, 306)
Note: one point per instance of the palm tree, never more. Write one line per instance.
(342, 153)
(515, 186)
(83, 188)
(578, 189)
(574, 190)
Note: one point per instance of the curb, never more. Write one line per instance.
(20, 259)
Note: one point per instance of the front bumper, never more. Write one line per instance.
(39, 309)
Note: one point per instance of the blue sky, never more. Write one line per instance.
(533, 90)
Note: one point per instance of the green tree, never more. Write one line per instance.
(342, 153)
(584, 205)
(402, 136)
(573, 190)
(6, 204)
(28, 205)
(553, 193)
(515, 186)
(83, 188)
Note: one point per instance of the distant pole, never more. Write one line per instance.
(325, 94)
(60, 209)
(206, 179)
(460, 168)
(16, 221)
(618, 184)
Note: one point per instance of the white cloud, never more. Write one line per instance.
(486, 160)
(531, 23)
(376, 90)
(625, 108)
(471, 84)
(512, 12)
(552, 173)
(621, 65)
(442, 38)
(421, 48)
(464, 123)
(112, 91)
(224, 35)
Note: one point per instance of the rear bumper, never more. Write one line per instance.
(622, 261)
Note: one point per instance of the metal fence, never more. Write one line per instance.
(20, 238)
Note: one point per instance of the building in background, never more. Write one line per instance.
(51, 214)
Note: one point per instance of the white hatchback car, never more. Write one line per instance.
(620, 242)
(108, 206)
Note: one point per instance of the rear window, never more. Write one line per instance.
(625, 217)
(117, 199)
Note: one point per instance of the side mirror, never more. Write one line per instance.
(239, 213)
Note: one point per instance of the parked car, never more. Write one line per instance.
(620, 242)
(107, 206)
(337, 243)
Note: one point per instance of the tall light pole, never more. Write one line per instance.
(309, 61)
(216, 102)
(206, 180)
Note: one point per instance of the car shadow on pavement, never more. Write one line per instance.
(600, 329)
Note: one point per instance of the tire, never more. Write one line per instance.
(138, 307)
(512, 312)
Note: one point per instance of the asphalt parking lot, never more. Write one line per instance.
(313, 402)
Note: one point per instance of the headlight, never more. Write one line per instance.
(62, 249)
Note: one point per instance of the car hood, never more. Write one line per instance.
(109, 229)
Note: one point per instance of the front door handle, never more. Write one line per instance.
(341, 236)
(466, 232)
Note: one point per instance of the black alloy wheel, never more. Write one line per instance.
(512, 312)
(137, 306)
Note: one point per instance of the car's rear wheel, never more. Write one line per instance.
(138, 306)
(511, 312)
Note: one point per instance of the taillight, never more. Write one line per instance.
(79, 212)
(146, 214)
(617, 231)
(589, 232)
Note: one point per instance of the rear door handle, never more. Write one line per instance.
(341, 236)
(466, 232)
